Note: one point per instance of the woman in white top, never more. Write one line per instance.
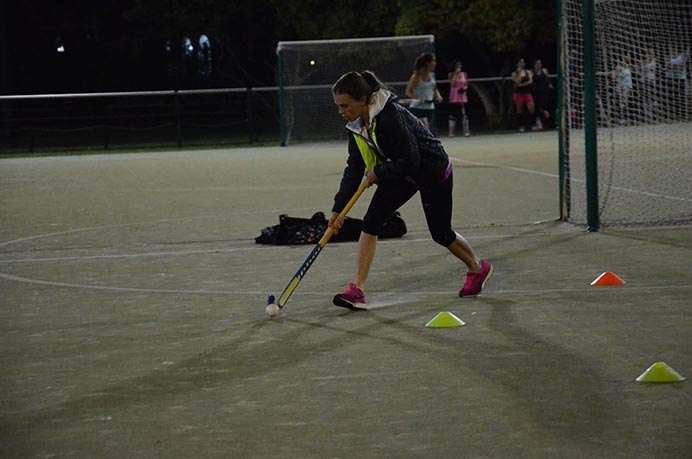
(648, 83)
(423, 89)
(622, 76)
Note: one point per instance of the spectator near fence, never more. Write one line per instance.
(648, 82)
(458, 99)
(622, 88)
(523, 100)
(541, 94)
(676, 79)
(422, 89)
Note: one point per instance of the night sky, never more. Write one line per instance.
(106, 50)
(101, 50)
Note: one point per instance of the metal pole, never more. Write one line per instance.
(590, 121)
(282, 107)
(178, 121)
(250, 116)
(559, 114)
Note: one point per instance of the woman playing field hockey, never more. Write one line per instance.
(389, 147)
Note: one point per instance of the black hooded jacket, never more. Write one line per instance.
(408, 151)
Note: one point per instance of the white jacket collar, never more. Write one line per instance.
(379, 100)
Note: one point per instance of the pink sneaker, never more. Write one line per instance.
(476, 281)
(353, 298)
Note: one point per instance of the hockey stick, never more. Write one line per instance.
(407, 102)
(298, 276)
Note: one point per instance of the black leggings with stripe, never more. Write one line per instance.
(436, 200)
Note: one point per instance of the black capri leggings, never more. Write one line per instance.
(437, 205)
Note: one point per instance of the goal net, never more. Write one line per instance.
(308, 69)
(644, 111)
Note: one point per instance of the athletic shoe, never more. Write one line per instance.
(522, 129)
(353, 298)
(476, 281)
(468, 134)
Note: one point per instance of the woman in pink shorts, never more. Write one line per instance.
(458, 84)
(523, 79)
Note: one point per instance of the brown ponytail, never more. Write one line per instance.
(358, 85)
(423, 60)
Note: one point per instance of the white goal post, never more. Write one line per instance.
(306, 71)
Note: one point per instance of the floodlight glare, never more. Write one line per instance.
(59, 45)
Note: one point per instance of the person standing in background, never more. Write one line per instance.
(523, 101)
(458, 85)
(422, 89)
(648, 81)
(622, 76)
(541, 94)
(676, 77)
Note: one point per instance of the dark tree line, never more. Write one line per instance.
(118, 45)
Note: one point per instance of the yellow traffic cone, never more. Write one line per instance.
(660, 372)
(445, 320)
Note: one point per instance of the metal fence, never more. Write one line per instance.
(182, 118)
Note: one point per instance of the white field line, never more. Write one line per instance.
(511, 168)
(228, 250)
(129, 255)
(166, 220)
(546, 174)
(619, 290)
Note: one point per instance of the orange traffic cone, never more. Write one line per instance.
(608, 278)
